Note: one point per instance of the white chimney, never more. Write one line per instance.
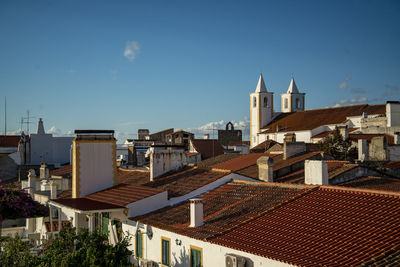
(196, 212)
(44, 171)
(53, 190)
(31, 182)
(363, 153)
(265, 170)
(94, 165)
(316, 172)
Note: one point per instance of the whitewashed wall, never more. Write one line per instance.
(96, 167)
(213, 255)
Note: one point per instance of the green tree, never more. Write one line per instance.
(69, 249)
(340, 149)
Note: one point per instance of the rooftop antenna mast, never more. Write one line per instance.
(5, 116)
(27, 121)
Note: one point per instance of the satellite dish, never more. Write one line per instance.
(228, 262)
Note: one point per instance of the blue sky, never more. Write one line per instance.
(125, 65)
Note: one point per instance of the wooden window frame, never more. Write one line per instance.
(201, 254)
(169, 250)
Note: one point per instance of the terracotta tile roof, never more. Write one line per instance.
(335, 168)
(324, 227)
(123, 194)
(263, 146)
(395, 165)
(239, 163)
(64, 171)
(207, 147)
(310, 119)
(279, 163)
(9, 140)
(65, 194)
(132, 176)
(224, 207)
(389, 258)
(185, 181)
(368, 137)
(322, 135)
(207, 163)
(234, 143)
(85, 204)
(376, 183)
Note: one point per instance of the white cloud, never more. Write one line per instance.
(345, 84)
(352, 101)
(132, 48)
(53, 130)
(212, 128)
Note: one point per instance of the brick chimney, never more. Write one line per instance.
(94, 165)
(196, 212)
(316, 172)
(265, 170)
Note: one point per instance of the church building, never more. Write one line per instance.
(266, 124)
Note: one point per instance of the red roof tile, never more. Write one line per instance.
(263, 146)
(395, 165)
(224, 207)
(65, 194)
(324, 227)
(310, 119)
(133, 176)
(63, 171)
(376, 183)
(9, 140)
(123, 194)
(207, 147)
(207, 163)
(185, 181)
(239, 162)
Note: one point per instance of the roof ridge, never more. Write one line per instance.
(360, 190)
(297, 196)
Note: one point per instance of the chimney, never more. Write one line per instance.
(206, 136)
(289, 137)
(94, 165)
(53, 190)
(364, 115)
(31, 182)
(397, 138)
(363, 153)
(196, 212)
(392, 113)
(265, 170)
(316, 172)
(40, 129)
(164, 159)
(293, 149)
(344, 132)
(44, 171)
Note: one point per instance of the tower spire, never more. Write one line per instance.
(292, 87)
(261, 85)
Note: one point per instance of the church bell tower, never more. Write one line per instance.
(261, 110)
(293, 100)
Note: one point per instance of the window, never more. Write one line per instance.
(297, 103)
(165, 251)
(196, 257)
(254, 102)
(105, 223)
(286, 103)
(139, 245)
(265, 102)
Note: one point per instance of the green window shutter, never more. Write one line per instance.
(105, 223)
(195, 258)
(165, 252)
(139, 243)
